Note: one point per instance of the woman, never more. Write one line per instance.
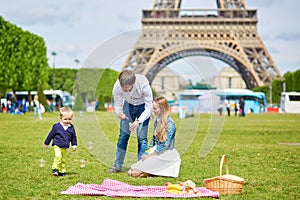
(162, 159)
(37, 107)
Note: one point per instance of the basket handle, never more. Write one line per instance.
(221, 165)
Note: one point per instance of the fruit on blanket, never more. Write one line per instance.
(189, 187)
(171, 186)
(174, 191)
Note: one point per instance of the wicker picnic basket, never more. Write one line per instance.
(225, 184)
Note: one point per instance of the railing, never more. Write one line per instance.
(199, 13)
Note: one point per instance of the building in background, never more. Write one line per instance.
(227, 79)
(168, 82)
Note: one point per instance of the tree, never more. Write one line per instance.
(64, 79)
(78, 103)
(288, 79)
(42, 97)
(86, 84)
(276, 90)
(36, 64)
(23, 61)
(6, 49)
(105, 86)
(296, 81)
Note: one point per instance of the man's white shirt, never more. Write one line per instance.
(140, 93)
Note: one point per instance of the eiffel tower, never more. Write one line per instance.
(228, 33)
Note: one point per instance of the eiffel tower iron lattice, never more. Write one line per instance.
(228, 33)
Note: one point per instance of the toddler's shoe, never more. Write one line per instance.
(62, 174)
(55, 172)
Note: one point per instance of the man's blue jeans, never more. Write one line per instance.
(132, 112)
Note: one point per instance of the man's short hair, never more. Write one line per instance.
(127, 77)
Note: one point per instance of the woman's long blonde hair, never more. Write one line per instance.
(164, 106)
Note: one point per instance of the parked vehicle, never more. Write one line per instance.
(290, 102)
(197, 100)
(58, 97)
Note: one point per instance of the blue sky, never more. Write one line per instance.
(74, 29)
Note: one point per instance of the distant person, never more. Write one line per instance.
(163, 159)
(236, 107)
(227, 102)
(242, 107)
(36, 107)
(9, 105)
(220, 108)
(62, 134)
(19, 111)
(58, 102)
(50, 105)
(132, 104)
(176, 103)
(3, 107)
(13, 103)
(24, 105)
(97, 104)
(261, 107)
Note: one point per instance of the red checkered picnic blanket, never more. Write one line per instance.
(115, 188)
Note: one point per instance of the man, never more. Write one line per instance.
(133, 103)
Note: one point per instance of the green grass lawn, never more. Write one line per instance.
(261, 148)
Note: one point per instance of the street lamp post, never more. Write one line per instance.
(53, 77)
(76, 63)
(270, 95)
(76, 83)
